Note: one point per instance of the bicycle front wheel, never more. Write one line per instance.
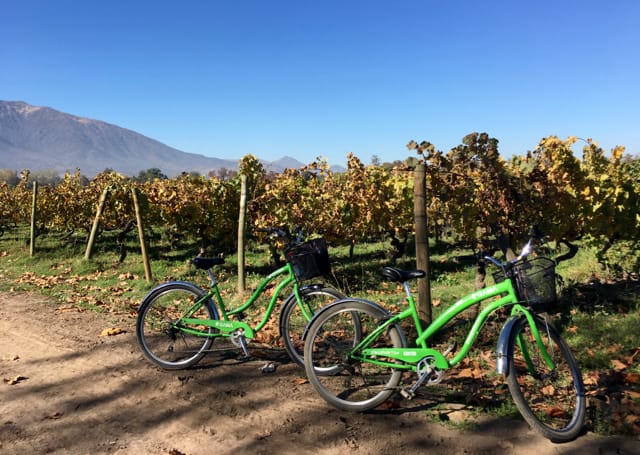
(293, 320)
(330, 361)
(549, 393)
(164, 339)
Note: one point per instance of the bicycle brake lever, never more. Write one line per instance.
(526, 250)
(493, 260)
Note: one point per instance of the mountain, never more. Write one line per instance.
(41, 138)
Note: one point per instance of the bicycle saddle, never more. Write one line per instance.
(206, 263)
(395, 274)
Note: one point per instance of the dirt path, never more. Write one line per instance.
(66, 389)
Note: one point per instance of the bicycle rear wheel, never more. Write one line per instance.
(293, 321)
(551, 399)
(161, 335)
(339, 379)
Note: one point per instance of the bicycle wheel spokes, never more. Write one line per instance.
(337, 374)
(547, 391)
(164, 339)
(294, 320)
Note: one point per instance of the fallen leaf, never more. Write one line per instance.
(465, 373)
(633, 394)
(591, 379)
(548, 390)
(554, 411)
(390, 404)
(263, 435)
(632, 420)
(64, 309)
(618, 365)
(16, 380)
(111, 331)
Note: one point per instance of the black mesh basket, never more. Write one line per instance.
(309, 259)
(535, 282)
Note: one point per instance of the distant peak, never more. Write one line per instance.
(21, 107)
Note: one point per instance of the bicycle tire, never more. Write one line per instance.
(161, 341)
(552, 401)
(293, 322)
(352, 385)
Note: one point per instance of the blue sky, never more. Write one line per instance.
(325, 78)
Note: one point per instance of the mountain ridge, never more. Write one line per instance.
(42, 138)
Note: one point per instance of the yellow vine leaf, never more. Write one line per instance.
(617, 152)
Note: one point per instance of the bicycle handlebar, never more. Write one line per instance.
(527, 249)
(282, 232)
(534, 234)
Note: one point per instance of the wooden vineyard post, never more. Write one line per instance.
(241, 232)
(422, 241)
(143, 242)
(32, 244)
(96, 223)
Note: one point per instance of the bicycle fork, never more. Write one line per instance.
(505, 346)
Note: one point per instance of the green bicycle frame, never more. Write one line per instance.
(409, 357)
(225, 326)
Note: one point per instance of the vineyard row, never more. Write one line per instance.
(472, 192)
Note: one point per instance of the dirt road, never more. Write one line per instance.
(68, 390)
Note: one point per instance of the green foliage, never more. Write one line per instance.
(150, 175)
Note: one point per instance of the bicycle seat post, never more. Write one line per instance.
(212, 277)
(407, 289)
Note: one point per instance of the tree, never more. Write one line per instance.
(9, 176)
(47, 177)
(150, 175)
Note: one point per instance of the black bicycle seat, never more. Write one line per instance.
(399, 275)
(206, 263)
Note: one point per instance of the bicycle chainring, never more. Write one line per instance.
(238, 335)
(426, 365)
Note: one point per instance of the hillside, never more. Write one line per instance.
(42, 138)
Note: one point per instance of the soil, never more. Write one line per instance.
(70, 386)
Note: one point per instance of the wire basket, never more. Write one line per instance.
(535, 282)
(309, 259)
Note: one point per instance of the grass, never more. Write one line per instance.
(599, 315)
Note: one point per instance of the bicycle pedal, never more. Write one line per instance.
(407, 394)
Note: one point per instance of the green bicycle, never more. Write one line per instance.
(178, 321)
(356, 355)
